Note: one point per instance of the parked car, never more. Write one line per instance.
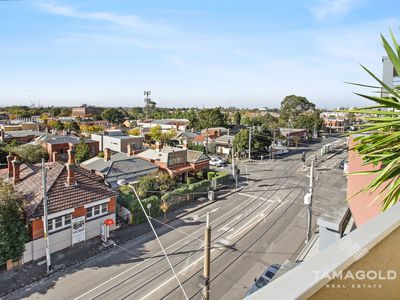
(343, 163)
(217, 161)
(264, 279)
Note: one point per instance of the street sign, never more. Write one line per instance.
(148, 205)
(78, 230)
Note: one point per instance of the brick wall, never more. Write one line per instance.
(37, 229)
(112, 204)
(79, 212)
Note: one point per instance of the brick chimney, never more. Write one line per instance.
(10, 166)
(70, 175)
(185, 144)
(71, 154)
(129, 150)
(16, 170)
(158, 146)
(107, 154)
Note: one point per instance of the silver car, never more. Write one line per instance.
(264, 279)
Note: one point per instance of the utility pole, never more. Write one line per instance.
(207, 261)
(147, 102)
(234, 173)
(207, 141)
(249, 144)
(309, 195)
(45, 225)
(273, 143)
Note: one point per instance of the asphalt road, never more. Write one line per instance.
(264, 223)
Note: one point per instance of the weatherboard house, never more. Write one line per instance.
(78, 203)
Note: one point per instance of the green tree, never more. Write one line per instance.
(211, 117)
(56, 111)
(113, 115)
(156, 133)
(260, 140)
(82, 151)
(237, 117)
(196, 147)
(71, 126)
(30, 153)
(168, 135)
(55, 124)
(381, 144)
(3, 153)
(13, 232)
(135, 131)
(296, 139)
(309, 121)
(292, 107)
(241, 140)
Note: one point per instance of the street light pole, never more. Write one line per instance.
(249, 144)
(207, 260)
(309, 204)
(234, 173)
(45, 221)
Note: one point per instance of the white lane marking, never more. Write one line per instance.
(250, 223)
(172, 278)
(158, 253)
(260, 198)
(226, 226)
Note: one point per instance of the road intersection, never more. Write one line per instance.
(265, 223)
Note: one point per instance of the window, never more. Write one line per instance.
(96, 210)
(104, 208)
(49, 225)
(67, 220)
(89, 212)
(59, 222)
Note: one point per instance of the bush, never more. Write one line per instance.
(221, 178)
(184, 190)
(190, 180)
(211, 175)
(127, 199)
(200, 175)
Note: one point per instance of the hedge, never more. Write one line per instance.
(129, 201)
(220, 178)
(191, 188)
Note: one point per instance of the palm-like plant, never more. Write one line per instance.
(380, 139)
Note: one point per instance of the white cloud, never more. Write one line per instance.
(325, 9)
(125, 20)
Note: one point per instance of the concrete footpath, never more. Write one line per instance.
(71, 257)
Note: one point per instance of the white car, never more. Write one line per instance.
(264, 279)
(216, 161)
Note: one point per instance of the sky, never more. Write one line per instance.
(190, 53)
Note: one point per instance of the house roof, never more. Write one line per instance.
(194, 156)
(225, 139)
(89, 188)
(187, 134)
(22, 133)
(203, 137)
(62, 139)
(154, 155)
(119, 164)
(167, 121)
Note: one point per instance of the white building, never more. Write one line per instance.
(116, 141)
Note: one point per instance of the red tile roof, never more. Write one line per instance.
(89, 188)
